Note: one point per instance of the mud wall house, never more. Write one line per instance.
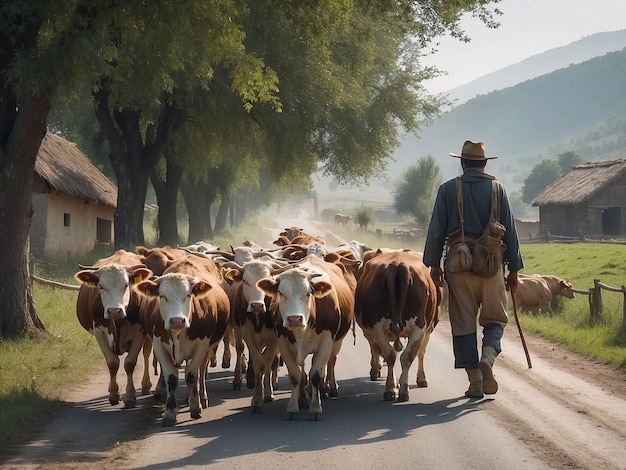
(589, 200)
(73, 202)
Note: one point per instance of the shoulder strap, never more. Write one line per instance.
(459, 201)
(495, 201)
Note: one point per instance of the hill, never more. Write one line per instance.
(576, 52)
(580, 107)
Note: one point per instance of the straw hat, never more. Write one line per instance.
(473, 151)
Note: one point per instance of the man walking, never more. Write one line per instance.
(462, 211)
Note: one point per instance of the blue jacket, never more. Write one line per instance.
(477, 206)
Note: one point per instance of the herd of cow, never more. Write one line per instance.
(280, 304)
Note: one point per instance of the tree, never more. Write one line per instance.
(542, 175)
(568, 160)
(141, 66)
(38, 41)
(364, 216)
(415, 194)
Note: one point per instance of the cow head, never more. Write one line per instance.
(175, 291)
(114, 282)
(249, 275)
(294, 292)
(566, 289)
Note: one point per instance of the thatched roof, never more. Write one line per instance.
(581, 183)
(66, 169)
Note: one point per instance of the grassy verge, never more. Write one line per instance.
(37, 371)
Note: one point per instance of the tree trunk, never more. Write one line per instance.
(133, 161)
(167, 194)
(198, 202)
(220, 219)
(19, 144)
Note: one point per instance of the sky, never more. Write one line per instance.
(527, 27)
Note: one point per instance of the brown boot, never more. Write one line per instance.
(490, 386)
(475, 389)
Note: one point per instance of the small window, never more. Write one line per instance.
(66, 220)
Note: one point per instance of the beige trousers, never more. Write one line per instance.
(470, 295)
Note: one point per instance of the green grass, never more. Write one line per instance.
(37, 371)
(580, 264)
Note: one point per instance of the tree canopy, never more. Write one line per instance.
(150, 69)
(415, 194)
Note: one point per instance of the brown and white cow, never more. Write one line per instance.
(314, 311)
(537, 291)
(159, 258)
(250, 311)
(108, 308)
(396, 297)
(188, 318)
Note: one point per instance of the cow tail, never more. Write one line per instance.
(397, 276)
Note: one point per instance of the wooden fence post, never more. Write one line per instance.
(595, 301)
(624, 307)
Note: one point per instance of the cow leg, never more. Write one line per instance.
(295, 377)
(226, 341)
(257, 364)
(160, 391)
(414, 344)
(389, 354)
(375, 354)
(130, 362)
(270, 360)
(275, 365)
(113, 364)
(191, 379)
(146, 383)
(240, 365)
(213, 360)
(169, 372)
(195, 377)
(202, 373)
(421, 372)
(317, 375)
(331, 388)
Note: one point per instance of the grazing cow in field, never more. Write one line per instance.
(108, 307)
(342, 219)
(396, 297)
(314, 311)
(186, 319)
(250, 311)
(537, 291)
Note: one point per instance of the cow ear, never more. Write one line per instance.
(139, 275)
(232, 274)
(321, 289)
(87, 277)
(141, 250)
(201, 288)
(269, 285)
(149, 288)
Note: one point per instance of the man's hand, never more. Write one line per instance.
(511, 281)
(436, 273)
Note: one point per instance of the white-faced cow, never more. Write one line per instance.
(187, 320)
(253, 318)
(396, 297)
(537, 291)
(314, 311)
(108, 308)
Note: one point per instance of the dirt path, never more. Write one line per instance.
(76, 439)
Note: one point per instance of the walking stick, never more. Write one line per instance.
(519, 328)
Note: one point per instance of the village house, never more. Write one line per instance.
(73, 202)
(589, 200)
